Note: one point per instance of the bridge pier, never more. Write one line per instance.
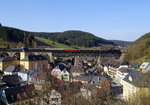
(122, 57)
(11, 54)
(123, 52)
(51, 56)
(76, 60)
(99, 60)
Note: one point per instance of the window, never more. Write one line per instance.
(55, 99)
(65, 75)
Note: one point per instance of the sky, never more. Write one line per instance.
(110, 19)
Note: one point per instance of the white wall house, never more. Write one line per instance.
(65, 75)
(121, 73)
(56, 72)
(26, 75)
(106, 69)
(145, 66)
(11, 70)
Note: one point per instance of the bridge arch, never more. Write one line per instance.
(16, 55)
(4, 54)
(48, 55)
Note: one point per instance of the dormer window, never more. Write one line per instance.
(130, 78)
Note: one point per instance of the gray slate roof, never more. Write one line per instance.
(83, 78)
(95, 80)
(77, 69)
(111, 62)
(12, 69)
(29, 72)
(124, 70)
(6, 59)
(138, 79)
(13, 80)
(98, 80)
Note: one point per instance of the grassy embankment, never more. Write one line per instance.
(53, 44)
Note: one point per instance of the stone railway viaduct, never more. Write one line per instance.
(53, 52)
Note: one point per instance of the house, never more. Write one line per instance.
(67, 90)
(33, 62)
(3, 99)
(96, 81)
(27, 75)
(38, 80)
(134, 82)
(56, 72)
(65, 75)
(106, 61)
(87, 91)
(76, 71)
(121, 73)
(145, 66)
(22, 95)
(5, 62)
(113, 66)
(106, 70)
(11, 70)
(82, 79)
(93, 70)
(13, 80)
(99, 81)
(52, 97)
(27, 95)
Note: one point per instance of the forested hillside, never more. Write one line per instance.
(11, 35)
(121, 43)
(139, 51)
(76, 38)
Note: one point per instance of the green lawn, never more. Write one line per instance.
(55, 44)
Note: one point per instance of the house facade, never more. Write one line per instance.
(27, 75)
(56, 72)
(145, 66)
(5, 62)
(33, 62)
(52, 98)
(134, 82)
(11, 70)
(121, 73)
(65, 75)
